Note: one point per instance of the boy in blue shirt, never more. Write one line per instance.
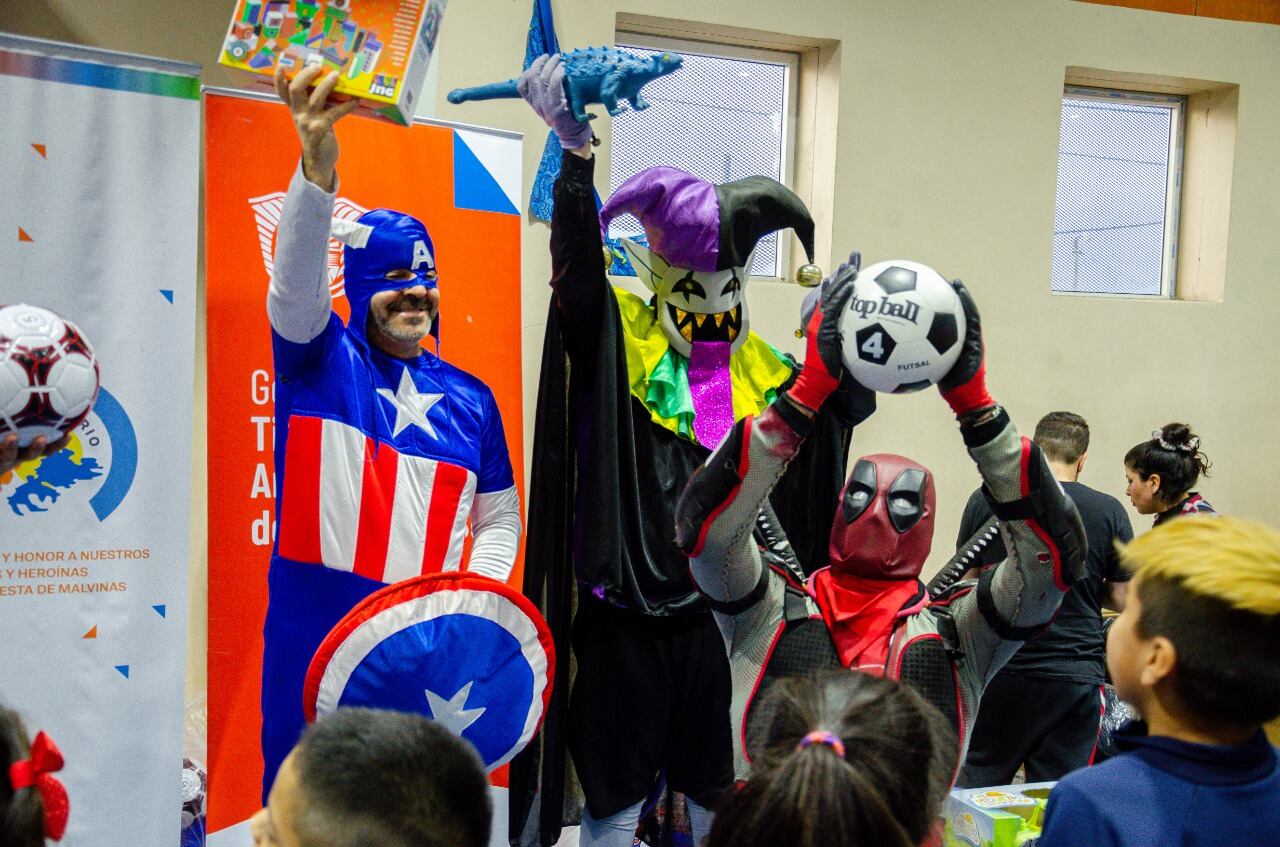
(1195, 652)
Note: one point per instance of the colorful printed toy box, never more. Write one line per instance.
(380, 48)
(1003, 816)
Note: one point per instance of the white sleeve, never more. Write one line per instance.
(495, 523)
(298, 301)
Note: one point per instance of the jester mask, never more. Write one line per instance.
(701, 240)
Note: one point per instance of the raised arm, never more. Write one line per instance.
(1043, 534)
(298, 302)
(717, 510)
(577, 250)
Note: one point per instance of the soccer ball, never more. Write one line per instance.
(48, 374)
(903, 329)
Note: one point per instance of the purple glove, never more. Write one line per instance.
(542, 86)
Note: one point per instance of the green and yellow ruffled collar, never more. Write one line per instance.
(659, 376)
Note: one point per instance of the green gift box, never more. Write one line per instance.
(1001, 816)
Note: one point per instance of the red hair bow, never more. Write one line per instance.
(45, 759)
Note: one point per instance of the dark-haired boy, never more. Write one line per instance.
(365, 777)
(1044, 708)
(1195, 652)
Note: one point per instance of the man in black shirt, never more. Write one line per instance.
(1045, 706)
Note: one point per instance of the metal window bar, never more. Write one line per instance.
(1119, 181)
(723, 116)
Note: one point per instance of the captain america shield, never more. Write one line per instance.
(466, 651)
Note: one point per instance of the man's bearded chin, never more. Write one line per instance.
(384, 319)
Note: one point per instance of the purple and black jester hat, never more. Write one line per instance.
(701, 238)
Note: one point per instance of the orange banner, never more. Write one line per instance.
(463, 184)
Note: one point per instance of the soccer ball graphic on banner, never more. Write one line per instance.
(903, 328)
(48, 374)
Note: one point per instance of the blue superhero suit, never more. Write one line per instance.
(380, 462)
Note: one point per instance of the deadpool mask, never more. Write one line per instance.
(883, 527)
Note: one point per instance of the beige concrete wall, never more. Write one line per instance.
(947, 146)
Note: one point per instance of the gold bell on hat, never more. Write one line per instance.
(809, 275)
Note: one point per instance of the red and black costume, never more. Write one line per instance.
(868, 610)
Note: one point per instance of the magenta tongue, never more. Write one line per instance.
(711, 390)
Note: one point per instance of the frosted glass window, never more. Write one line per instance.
(1115, 222)
(720, 117)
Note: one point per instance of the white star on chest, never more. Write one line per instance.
(451, 713)
(411, 405)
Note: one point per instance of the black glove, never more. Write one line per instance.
(965, 385)
(823, 370)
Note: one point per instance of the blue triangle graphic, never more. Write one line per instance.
(473, 186)
(160, 610)
(124, 670)
(168, 294)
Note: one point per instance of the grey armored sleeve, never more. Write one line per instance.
(726, 564)
(1023, 592)
(715, 518)
(298, 301)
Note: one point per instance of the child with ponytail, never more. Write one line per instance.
(845, 760)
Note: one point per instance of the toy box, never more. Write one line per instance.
(1003, 816)
(380, 48)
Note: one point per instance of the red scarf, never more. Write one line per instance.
(860, 614)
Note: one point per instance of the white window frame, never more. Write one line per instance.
(1173, 180)
(720, 50)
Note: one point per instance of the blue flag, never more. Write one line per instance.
(542, 33)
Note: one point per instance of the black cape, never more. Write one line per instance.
(604, 485)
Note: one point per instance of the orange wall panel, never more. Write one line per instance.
(1232, 10)
(1179, 7)
(1257, 11)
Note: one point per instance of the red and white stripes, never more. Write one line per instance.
(354, 505)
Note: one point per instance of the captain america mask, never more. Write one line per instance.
(391, 275)
(883, 527)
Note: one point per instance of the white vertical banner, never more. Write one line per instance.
(98, 222)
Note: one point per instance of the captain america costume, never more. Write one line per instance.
(380, 461)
